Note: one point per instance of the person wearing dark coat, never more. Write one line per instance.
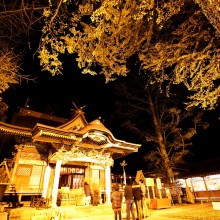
(128, 194)
(136, 189)
(116, 199)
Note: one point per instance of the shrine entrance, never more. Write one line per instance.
(72, 177)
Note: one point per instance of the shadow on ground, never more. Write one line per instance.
(203, 211)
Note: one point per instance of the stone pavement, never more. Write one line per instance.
(99, 212)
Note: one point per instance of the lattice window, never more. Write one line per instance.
(36, 175)
(24, 171)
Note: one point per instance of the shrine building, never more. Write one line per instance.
(54, 161)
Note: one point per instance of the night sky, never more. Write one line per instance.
(55, 94)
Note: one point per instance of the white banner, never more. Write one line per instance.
(149, 181)
(159, 186)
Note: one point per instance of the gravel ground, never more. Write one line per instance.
(202, 211)
(197, 211)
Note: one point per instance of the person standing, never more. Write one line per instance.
(145, 209)
(136, 189)
(87, 192)
(116, 199)
(95, 197)
(128, 194)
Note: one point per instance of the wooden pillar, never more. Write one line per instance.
(108, 184)
(46, 181)
(159, 187)
(195, 195)
(148, 192)
(56, 183)
(187, 196)
(153, 191)
(206, 188)
(17, 157)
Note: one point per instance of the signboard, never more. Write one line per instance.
(158, 181)
(149, 181)
(140, 176)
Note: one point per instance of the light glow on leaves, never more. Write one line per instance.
(8, 70)
(173, 41)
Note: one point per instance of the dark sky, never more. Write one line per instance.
(206, 142)
(54, 95)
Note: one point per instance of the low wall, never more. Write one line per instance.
(213, 195)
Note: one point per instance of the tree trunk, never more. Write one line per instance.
(165, 158)
(166, 162)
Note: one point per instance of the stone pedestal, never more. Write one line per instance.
(3, 215)
(216, 205)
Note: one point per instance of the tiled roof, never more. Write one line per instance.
(75, 131)
(15, 130)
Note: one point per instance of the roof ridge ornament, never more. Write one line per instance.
(77, 110)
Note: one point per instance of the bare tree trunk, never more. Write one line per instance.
(161, 141)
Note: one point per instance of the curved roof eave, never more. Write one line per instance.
(15, 130)
(56, 132)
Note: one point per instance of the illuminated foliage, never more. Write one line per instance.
(211, 9)
(17, 18)
(3, 110)
(172, 40)
(8, 70)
